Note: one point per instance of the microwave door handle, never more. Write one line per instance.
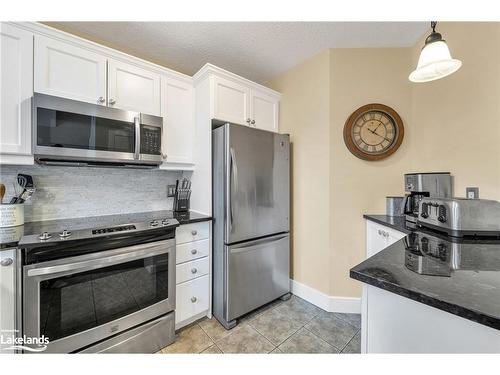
(137, 127)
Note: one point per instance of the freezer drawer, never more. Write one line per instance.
(257, 273)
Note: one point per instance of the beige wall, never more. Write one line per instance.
(305, 116)
(358, 77)
(452, 124)
(457, 117)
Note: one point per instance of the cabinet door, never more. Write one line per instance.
(16, 90)
(375, 239)
(7, 296)
(191, 299)
(230, 101)
(177, 108)
(133, 88)
(67, 71)
(264, 109)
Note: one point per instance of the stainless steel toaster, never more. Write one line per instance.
(460, 217)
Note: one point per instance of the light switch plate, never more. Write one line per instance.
(472, 192)
(170, 190)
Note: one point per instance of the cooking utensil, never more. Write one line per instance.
(2, 192)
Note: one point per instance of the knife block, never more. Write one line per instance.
(181, 200)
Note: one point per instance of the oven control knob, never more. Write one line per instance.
(45, 236)
(154, 223)
(65, 233)
(442, 214)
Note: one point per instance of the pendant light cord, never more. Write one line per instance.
(433, 26)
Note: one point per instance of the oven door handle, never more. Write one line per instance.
(108, 258)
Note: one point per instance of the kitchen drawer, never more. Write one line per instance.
(190, 270)
(192, 232)
(191, 250)
(191, 298)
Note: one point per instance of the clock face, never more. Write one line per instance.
(373, 132)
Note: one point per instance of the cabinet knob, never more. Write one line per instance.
(112, 101)
(164, 156)
(194, 299)
(194, 232)
(248, 120)
(194, 251)
(6, 262)
(252, 122)
(101, 100)
(194, 270)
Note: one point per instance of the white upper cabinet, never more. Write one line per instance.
(230, 101)
(16, 85)
(264, 109)
(64, 70)
(235, 99)
(177, 109)
(132, 88)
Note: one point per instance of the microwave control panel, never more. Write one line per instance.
(150, 140)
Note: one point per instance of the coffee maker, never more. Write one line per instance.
(420, 185)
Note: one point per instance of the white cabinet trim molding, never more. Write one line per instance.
(209, 69)
(38, 28)
(328, 303)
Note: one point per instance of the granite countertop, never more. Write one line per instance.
(10, 236)
(461, 277)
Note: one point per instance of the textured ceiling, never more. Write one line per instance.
(256, 50)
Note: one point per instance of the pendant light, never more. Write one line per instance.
(435, 60)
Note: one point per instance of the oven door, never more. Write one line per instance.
(78, 301)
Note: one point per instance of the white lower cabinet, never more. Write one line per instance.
(7, 298)
(16, 90)
(192, 300)
(378, 237)
(193, 273)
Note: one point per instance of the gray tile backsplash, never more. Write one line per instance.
(68, 192)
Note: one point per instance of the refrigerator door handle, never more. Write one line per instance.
(234, 166)
(233, 176)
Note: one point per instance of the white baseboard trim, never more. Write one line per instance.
(328, 303)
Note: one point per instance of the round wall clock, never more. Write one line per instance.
(373, 132)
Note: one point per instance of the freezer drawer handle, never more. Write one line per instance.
(261, 242)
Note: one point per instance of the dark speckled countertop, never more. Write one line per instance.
(461, 277)
(10, 236)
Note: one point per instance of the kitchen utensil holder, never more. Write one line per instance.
(11, 215)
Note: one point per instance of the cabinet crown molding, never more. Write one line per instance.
(209, 69)
(41, 29)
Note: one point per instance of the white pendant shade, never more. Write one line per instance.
(435, 62)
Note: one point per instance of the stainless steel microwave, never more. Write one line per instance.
(76, 133)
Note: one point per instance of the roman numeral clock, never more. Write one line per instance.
(373, 132)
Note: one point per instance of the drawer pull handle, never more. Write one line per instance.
(194, 251)
(194, 270)
(194, 299)
(194, 232)
(6, 262)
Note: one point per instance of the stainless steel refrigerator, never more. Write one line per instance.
(251, 208)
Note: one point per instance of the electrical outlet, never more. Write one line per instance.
(170, 190)
(472, 192)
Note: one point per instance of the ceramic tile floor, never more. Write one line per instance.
(293, 326)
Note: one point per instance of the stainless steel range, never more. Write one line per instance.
(106, 289)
